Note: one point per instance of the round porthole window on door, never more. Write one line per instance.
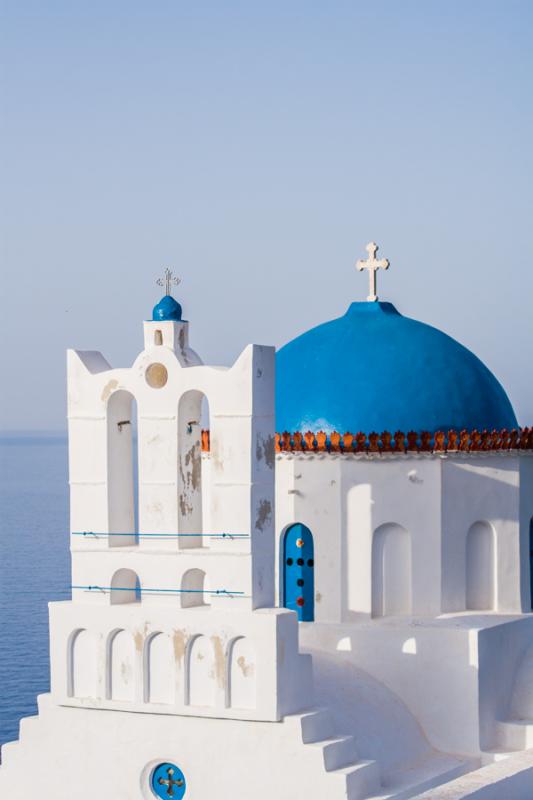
(156, 375)
(168, 781)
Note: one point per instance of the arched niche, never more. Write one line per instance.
(480, 578)
(121, 666)
(242, 674)
(122, 468)
(194, 591)
(391, 571)
(159, 670)
(125, 587)
(193, 414)
(201, 671)
(82, 664)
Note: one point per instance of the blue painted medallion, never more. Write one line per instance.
(168, 781)
(299, 572)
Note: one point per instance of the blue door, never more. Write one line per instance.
(299, 572)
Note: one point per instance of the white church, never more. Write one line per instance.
(305, 576)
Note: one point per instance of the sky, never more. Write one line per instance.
(255, 148)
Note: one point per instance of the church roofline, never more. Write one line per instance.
(474, 441)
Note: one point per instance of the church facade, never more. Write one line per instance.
(322, 590)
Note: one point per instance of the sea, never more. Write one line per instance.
(34, 566)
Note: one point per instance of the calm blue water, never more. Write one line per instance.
(34, 567)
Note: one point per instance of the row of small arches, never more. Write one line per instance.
(392, 569)
(173, 673)
(125, 587)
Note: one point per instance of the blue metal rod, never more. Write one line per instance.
(167, 591)
(166, 535)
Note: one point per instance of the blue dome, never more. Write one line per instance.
(375, 370)
(167, 308)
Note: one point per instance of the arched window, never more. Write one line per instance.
(391, 571)
(480, 567)
(125, 587)
(122, 468)
(193, 414)
(194, 591)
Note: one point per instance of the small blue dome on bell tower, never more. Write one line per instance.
(168, 308)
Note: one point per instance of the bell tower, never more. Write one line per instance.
(171, 607)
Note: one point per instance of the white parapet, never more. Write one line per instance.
(194, 662)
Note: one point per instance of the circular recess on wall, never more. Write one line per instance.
(156, 375)
(168, 780)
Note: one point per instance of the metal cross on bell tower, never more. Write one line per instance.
(168, 280)
(372, 264)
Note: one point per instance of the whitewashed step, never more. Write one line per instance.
(28, 727)
(316, 725)
(434, 771)
(362, 779)
(9, 751)
(357, 779)
(515, 734)
(496, 754)
(339, 751)
(44, 702)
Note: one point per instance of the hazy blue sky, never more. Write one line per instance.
(256, 147)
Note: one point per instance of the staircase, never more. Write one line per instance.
(357, 779)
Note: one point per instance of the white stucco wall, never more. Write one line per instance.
(436, 501)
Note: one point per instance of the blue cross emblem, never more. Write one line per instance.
(168, 781)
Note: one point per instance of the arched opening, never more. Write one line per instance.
(298, 574)
(125, 587)
(531, 561)
(122, 469)
(194, 591)
(391, 571)
(201, 672)
(120, 671)
(192, 412)
(242, 683)
(158, 338)
(82, 658)
(480, 567)
(159, 670)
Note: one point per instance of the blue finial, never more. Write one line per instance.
(167, 308)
